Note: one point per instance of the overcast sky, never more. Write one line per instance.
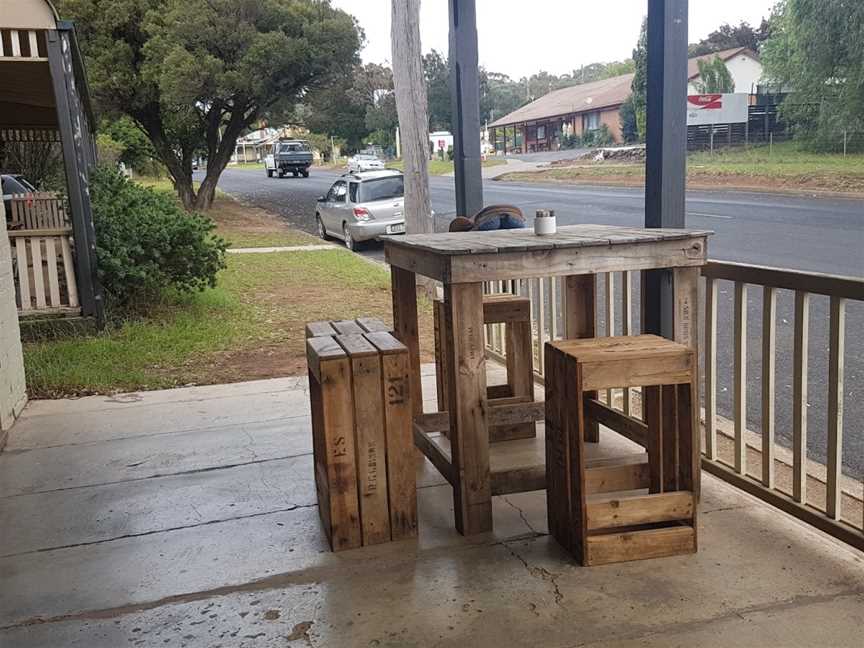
(520, 38)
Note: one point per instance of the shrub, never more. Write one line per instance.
(571, 141)
(145, 243)
(598, 137)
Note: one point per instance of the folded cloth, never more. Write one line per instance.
(493, 217)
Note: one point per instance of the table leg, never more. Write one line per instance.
(404, 287)
(580, 321)
(469, 432)
(686, 322)
(686, 326)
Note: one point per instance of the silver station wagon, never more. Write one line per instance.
(362, 206)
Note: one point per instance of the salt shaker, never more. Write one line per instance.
(544, 222)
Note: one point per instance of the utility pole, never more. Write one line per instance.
(410, 88)
(465, 98)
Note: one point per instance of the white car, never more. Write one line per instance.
(362, 162)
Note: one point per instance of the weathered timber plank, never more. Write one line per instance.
(631, 510)
(640, 545)
(401, 474)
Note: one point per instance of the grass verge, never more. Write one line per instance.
(782, 168)
(251, 326)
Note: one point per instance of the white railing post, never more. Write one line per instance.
(799, 397)
(836, 350)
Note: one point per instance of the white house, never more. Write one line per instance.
(441, 141)
(743, 64)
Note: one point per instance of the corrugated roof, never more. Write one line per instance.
(599, 94)
(578, 98)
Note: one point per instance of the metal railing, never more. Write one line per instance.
(729, 445)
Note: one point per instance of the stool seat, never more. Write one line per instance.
(629, 361)
(626, 510)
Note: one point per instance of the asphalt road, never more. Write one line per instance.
(802, 232)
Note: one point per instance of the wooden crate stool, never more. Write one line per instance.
(515, 313)
(599, 510)
(361, 430)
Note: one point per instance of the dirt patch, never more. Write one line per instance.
(247, 226)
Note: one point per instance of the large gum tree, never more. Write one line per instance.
(195, 74)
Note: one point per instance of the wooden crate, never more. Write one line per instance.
(627, 508)
(362, 435)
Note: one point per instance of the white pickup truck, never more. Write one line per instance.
(289, 156)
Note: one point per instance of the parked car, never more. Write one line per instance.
(11, 185)
(362, 206)
(289, 156)
(365, 162)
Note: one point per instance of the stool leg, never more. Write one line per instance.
(669, 404)
(440, 355)
(520, 372)
(653, 416)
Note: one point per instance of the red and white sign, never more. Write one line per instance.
(717, 109)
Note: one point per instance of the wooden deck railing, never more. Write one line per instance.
(726, 455)
(38, 211)
(44, 271)
(764, 482)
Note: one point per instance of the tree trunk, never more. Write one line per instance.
(410, 86)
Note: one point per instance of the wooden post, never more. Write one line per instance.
(666, 147)
(465, 101)
(410, 90)
(580, 321)
(468, 408)
(405, 327)
(75, 158)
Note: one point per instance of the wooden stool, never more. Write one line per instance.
(592, 509)
(361, 431)
(515, 313)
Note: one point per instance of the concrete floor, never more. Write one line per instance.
(187, 518)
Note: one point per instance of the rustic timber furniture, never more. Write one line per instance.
(600, 511)
(361, 428)
(515, 313)
(462, 262)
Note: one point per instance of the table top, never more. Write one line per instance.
(450, 244)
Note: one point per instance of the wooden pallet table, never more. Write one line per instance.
(462, 262)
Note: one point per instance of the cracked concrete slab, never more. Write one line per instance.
(209, 537)
(95, 514)
(65, 467)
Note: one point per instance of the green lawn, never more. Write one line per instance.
(251, 326)
(783, 159)
(783, 167)
(443, 167)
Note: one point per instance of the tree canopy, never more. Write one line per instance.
(714, 77)
(730, 36)
(816, 52)
(195, 74)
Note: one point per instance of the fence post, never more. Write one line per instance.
(844, 142)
